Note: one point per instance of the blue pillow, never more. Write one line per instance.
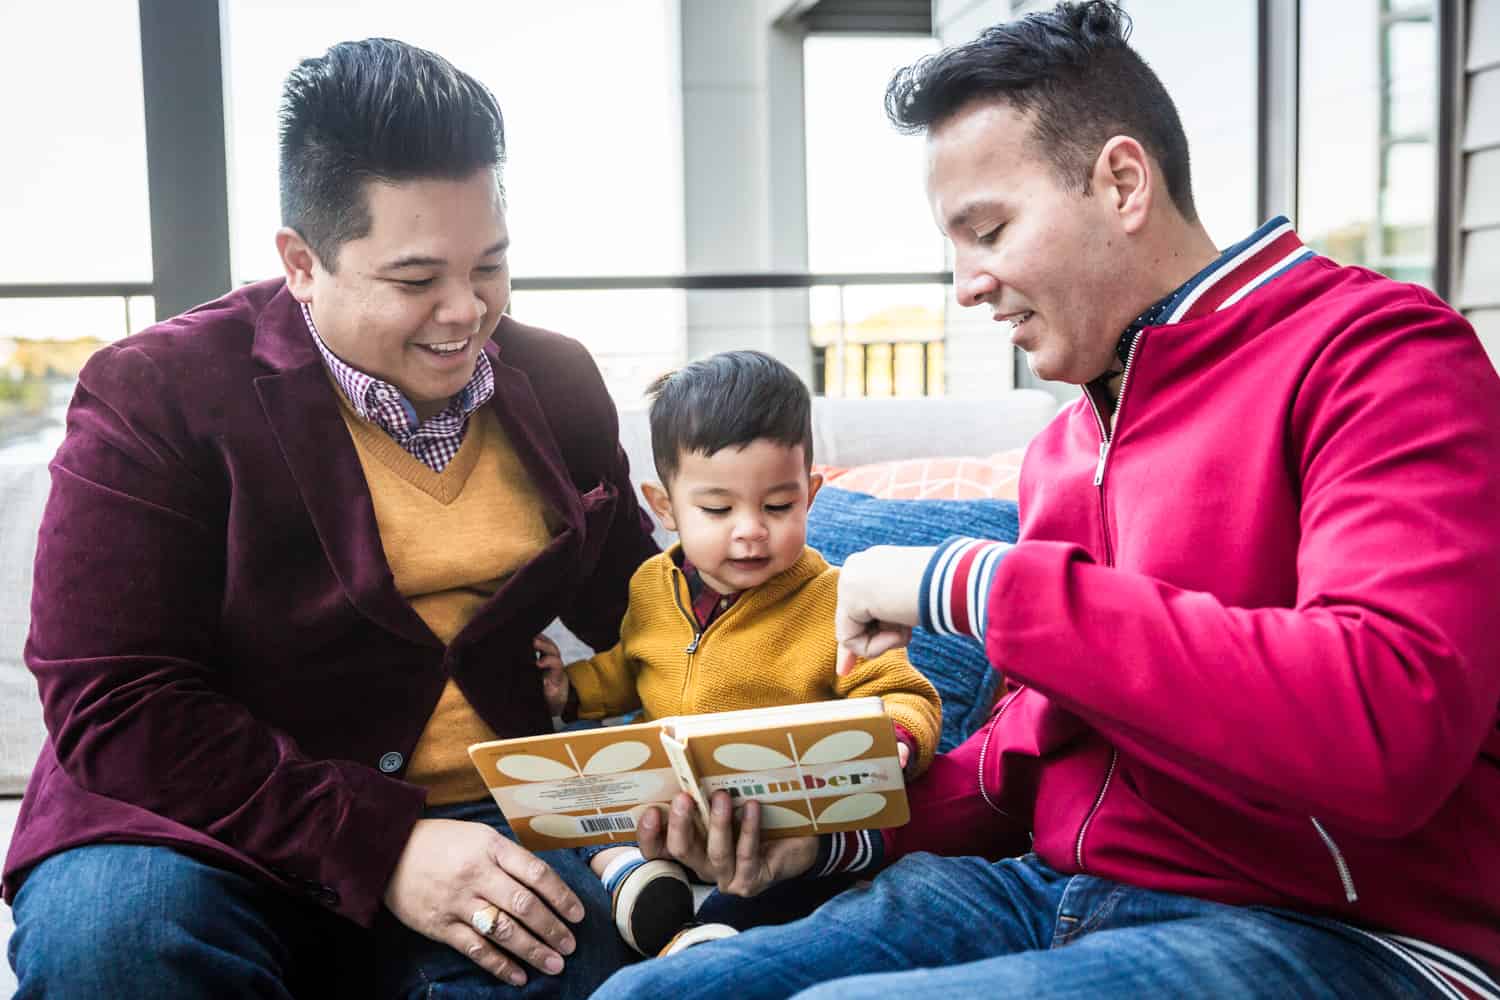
(842, 523)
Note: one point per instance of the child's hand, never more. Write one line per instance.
(554, 677)
(903, 754)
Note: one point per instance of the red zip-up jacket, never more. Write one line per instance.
(1252, 645)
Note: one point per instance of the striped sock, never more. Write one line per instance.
(617, 870)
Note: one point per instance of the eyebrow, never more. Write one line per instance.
(420, 260)
(703, 491)
(965, 215)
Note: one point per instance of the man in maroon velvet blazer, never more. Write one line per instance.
(233, 684)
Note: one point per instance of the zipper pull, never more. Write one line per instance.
(1099, 469)
(692, 647)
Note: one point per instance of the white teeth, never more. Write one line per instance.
(450, 348)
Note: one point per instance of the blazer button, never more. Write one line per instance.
(390, 762)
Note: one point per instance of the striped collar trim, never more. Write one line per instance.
(1266, 254)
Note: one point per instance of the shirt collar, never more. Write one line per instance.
(371, 397)
(708, 604)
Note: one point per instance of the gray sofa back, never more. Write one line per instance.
(845, 432)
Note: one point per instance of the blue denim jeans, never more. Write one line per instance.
(121, 921)
(961, 927)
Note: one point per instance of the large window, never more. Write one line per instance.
(1367, 115)
(866, 212)
(74, 169)
(593, 177)
(1215, 98)
(75, 205)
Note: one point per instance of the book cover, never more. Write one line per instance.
(814, 768)
(577, 788)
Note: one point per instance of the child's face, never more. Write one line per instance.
(741, 513)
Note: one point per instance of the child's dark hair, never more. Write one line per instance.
(727, 401)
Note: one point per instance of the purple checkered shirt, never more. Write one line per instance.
(432, 442)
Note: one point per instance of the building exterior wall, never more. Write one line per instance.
(1478, 290)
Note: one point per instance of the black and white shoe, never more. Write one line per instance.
(651, 904)
(696, 934)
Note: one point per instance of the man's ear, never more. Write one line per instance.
(660, 504)
(298, 261)
(1125, 175)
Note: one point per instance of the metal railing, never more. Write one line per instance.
(853, 365)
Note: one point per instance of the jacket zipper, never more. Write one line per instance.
(984, 748)
(698, 630)
(1105, 440)
(1114, 759)
(1338, 860)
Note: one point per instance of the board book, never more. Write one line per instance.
(814, 768)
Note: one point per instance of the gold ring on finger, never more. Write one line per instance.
(484, 919)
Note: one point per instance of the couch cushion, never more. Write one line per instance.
(23, 493)
(959, 478)
(852, 432)
(843, 522)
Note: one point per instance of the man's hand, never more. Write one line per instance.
(554, 678)
(740, 866)
(879, 591)
(450, 870)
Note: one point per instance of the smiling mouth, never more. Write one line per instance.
(447, 348)
(1016, 319)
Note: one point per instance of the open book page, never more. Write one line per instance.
(815, 768)
(577, 788)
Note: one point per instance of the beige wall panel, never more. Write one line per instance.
(1483, 126)
(1482, 189)
(1480, 285)
(1487, 325)
(1484, 33)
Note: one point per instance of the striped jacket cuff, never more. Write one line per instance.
(956, 586)
(848, 853)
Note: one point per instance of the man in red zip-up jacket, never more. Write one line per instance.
(1249, 742)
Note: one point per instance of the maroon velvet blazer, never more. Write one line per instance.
(224, 661)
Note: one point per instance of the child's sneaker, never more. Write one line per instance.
(696, 934)
(651, 904)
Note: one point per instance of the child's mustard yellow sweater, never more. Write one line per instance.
(773, 646)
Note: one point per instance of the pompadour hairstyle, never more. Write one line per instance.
(1073, 70)
(377, 109)
(727, 401)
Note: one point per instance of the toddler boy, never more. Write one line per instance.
(739, 614)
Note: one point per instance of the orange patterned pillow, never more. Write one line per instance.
(996, 477)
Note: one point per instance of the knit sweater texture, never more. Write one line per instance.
(439, 532)
(774, 646)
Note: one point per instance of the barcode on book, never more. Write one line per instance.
(606, 824)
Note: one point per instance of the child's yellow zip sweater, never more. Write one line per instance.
(773, 646)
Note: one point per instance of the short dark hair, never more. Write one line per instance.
(727, 401)
(1072, 68)
(377, 109)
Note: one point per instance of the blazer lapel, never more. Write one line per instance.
(302, 408)
(516, 407)
(520, 415)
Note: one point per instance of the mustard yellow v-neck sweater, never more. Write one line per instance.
(451, 539)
